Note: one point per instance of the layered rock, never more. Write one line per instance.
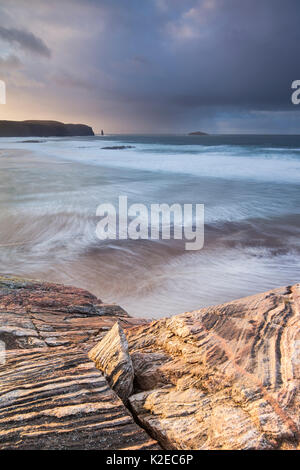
(43, 129)
(51, 394)
(224, 377)
(40, 314)
(112, 357)
(57, 399)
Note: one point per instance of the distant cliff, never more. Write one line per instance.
(42, 129)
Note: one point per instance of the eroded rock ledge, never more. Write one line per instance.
(224, 377)
(51, 394)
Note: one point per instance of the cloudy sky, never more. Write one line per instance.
(152, 65)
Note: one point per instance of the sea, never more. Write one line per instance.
(50, 189)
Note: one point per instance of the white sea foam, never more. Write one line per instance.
(50, 189)
(278, 165)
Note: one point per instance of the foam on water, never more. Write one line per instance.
(281, 165)
(50, 189)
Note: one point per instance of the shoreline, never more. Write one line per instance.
(49, 200)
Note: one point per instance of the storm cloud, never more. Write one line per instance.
(25, 40)
(159, 65)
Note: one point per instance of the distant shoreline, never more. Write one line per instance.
(43, 129)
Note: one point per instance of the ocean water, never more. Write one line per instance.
(50, 189)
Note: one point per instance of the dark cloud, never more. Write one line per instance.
(204, 52)
(25, 40)
(163, 64)
(9, 63)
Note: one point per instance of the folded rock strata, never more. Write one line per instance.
(57, 399)
(224, 377)
(51, 394)
(111, 356)
(40, 314)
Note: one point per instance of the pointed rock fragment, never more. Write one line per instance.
(112, 358)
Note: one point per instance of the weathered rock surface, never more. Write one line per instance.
(57, 399)
(42, 129)
(51, 394)
(111, 356)
(224, 377)
(40, 314)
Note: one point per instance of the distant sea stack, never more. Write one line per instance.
(43, 129)
(198, 133)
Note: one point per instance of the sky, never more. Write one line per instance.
(152, 66)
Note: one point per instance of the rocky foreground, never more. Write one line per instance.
(83, 374)
(51, 394)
